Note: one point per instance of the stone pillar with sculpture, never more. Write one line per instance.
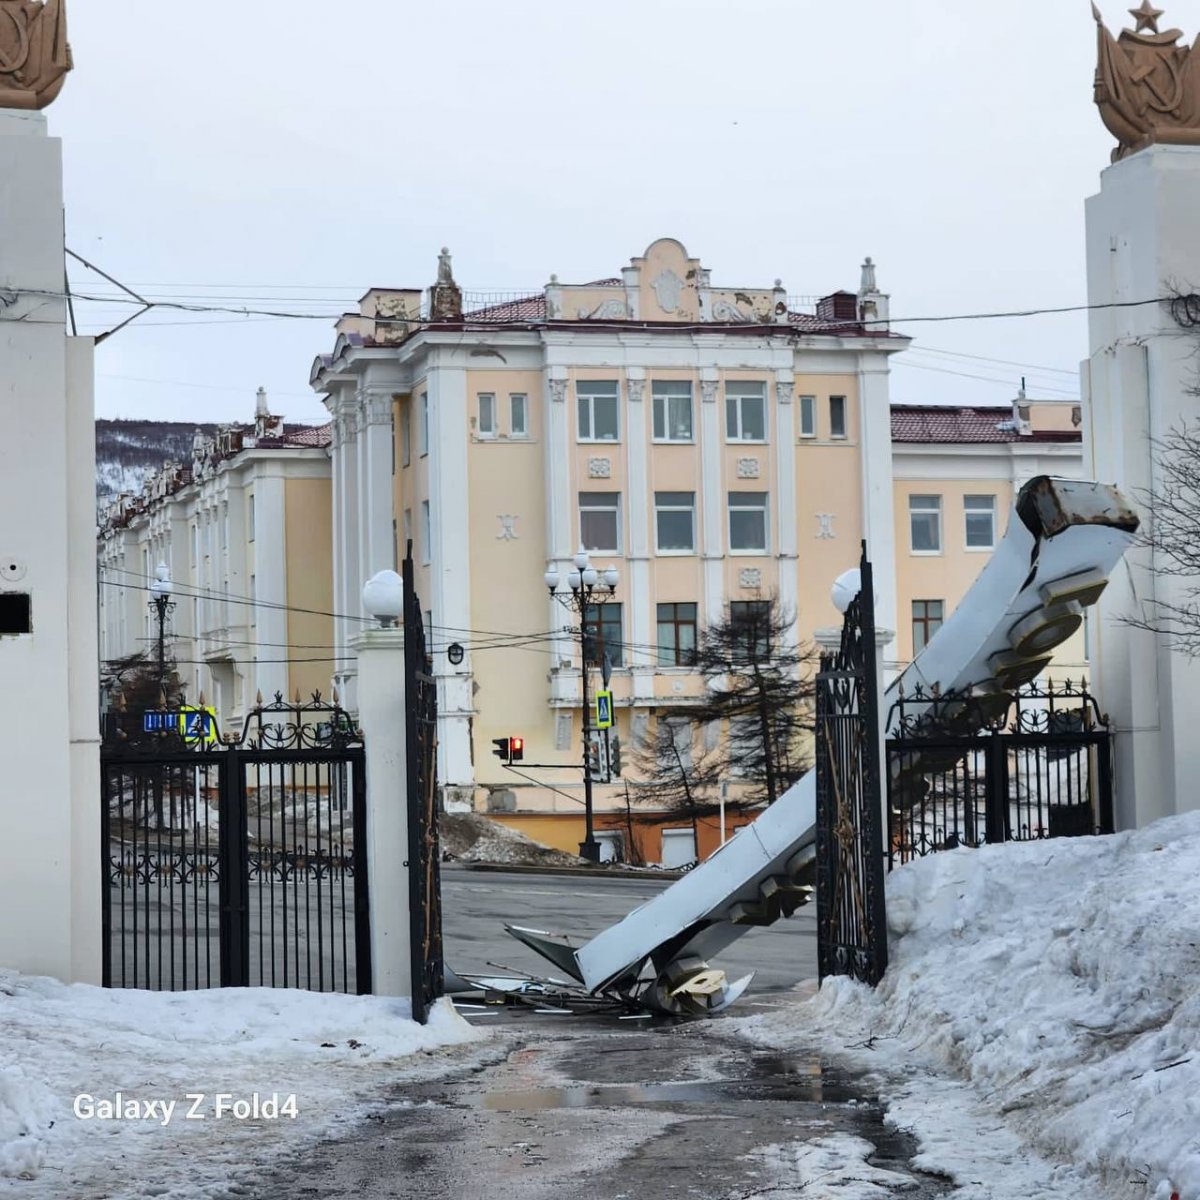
(1139, 383)
(50, 855)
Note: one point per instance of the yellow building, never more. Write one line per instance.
(957, 472)
(244, 532)
(716, 444)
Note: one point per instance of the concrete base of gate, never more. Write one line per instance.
(381, 716)
(50, 854)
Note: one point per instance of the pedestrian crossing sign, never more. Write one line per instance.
(604, 710)
(198, 725)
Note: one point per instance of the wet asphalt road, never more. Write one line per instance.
(596, 1109)
(477, 904)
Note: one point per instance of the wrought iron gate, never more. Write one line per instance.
(424, 852)
(965, 769)
(851, 924)
(240, 863)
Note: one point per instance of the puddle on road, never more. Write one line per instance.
(811, 1085)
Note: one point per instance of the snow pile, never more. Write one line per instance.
(474, 838)
(334, 1053)
(1061, 978)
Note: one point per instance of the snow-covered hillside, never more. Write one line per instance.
(129, 452)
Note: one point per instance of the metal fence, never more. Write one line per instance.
(965, 770)
(236, 864)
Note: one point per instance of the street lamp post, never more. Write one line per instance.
(586, 587)
(161, 603)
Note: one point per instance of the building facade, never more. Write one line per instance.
(717, 445)
(244, 531)
(957, 472)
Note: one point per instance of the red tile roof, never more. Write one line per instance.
(935, 423)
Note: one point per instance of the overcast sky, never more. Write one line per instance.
(292, 153)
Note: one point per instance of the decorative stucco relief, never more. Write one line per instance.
(750, 577)
(599, 468)
(558, 390)
(610, 310)
(508, 527)
(748, 468)
(637, 390)
(708, 391)
(825, 530)
(668, 288)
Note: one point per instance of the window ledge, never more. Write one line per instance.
(764, 553)
(676, 553)
(926, 553)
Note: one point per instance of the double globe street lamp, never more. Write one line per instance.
(161, 604)
(586, 588)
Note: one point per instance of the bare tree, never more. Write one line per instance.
(678, 777)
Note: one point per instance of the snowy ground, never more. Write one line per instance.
(1042, 995)
(65, 1052)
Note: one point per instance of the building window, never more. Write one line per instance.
(486, 427)
(926, 621)
(676, 635)
(406, 434)
(518, 415)
(980, 514)
(250, 517)
(748, 522)
(680, 732)
(600, 521)
(925, 524)
(424, 423)
(426, 533)
(672, 410)
(675, 522)
(837, 416)
(253, 600)
(751, 624)
(602, 635)
(808, 416)
(745, 412)
(597, 400)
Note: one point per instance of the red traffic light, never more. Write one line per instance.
(516, 749)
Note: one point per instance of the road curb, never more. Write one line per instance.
(588, 872)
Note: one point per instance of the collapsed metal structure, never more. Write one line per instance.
(1064, 538)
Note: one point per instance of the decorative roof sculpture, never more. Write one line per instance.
(1147, 86)
(34, 54)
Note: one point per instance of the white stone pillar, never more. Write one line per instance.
(875, 437)
(381, 716)
(640, 630)
(270, 563)
(50, 855)
(712, 499)
(449, 489)
(559, 543)
(1141, 241)
(785, 489)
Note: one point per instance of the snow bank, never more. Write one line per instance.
(1062, 978)
(333, 1053)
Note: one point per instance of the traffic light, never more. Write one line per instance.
(614, 755)
(509, 749)
(593, 759)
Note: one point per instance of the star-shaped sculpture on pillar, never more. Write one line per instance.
(1147, 16)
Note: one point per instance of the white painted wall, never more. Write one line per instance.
(1141, 241)
(50, 877)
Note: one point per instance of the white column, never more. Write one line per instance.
(449, 489)
(336, 483)
(785, 490)
(270, 561)
(381, 715)
(560, 543)
(875, 437)
(353, 570)
(640, 630)
(1141, 239)
(712, 499)
(377, 455)
(50, 854)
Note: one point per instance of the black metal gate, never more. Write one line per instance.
(968, 768)
(851, 923)
(424, 852)
(238, 863)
